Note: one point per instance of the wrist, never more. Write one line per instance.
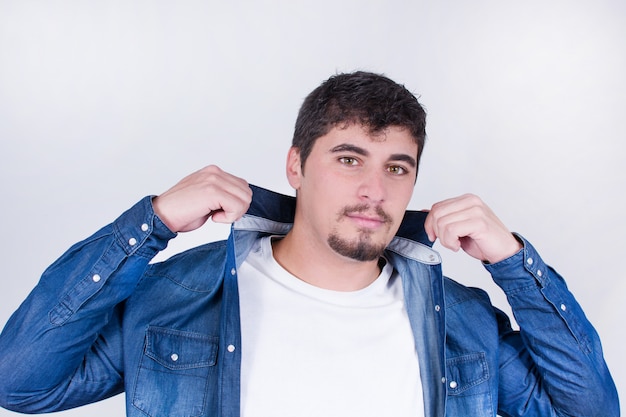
(157, 208)
(512, 247)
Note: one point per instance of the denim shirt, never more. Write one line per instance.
(103, 320)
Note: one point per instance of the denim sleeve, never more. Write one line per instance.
(554, 365)
(63, 346)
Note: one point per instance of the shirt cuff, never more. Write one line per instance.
(140, 231)
(521, 270)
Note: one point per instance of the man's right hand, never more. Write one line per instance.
(209, 192)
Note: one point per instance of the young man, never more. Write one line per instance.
(330, 304)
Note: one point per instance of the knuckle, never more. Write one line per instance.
(212, 168)
(473, 199)
(211, 172)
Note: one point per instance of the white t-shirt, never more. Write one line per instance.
(308, 351)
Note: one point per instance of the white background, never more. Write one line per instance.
(103, 102)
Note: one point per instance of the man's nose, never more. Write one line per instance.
(372, 186)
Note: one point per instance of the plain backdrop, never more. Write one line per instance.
(103, 102)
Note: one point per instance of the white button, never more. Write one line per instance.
(132, 241)
(443, 380)
(144, 227)
(174, 357)
(539, 273)
(231, 348)
(437, 307)
(95, 278)
(529, 261)
(233, 271)
(453, 384)
(563, 307)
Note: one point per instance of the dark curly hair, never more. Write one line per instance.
(365, 98)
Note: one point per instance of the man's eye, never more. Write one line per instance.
(397, 170)
(347, 160)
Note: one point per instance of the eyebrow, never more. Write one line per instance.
(346, 147)
(404, 158)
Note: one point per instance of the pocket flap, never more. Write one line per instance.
(466, 371)
(176, 349)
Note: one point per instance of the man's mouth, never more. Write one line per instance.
(365, 221)
(365, 217)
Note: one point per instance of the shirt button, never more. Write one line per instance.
(453, 384)
(529, 261)
(437, 307)
(233, 271)
(95, 278)
(132, 241)
(231, 348)
(443, 380)
(539, 273)
(563, 307)
(144, 227)
(174, 357)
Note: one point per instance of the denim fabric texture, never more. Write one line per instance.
(104, 320)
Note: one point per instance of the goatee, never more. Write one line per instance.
(361, 248)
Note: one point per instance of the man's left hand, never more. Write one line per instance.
(467, 223)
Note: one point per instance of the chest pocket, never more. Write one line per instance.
(468, 389)
(465, 372)
(176, 372)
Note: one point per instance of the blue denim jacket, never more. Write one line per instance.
(103, 320)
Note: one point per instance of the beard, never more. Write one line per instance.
(361, 248)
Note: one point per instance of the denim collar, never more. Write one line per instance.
(273, 213)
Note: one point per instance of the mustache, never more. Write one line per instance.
(365, 208)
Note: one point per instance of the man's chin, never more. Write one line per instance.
(363, 249)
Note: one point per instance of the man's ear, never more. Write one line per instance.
(294, 168)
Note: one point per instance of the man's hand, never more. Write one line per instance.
(209, 192)
(466, 223)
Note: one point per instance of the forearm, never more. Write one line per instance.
(563, 347)
(65, 331)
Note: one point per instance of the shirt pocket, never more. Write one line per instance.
(175, 372)
(466, 372)
(469, 393)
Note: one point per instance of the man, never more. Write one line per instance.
(331, 304)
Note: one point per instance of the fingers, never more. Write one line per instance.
(467, 223)
(233, 200)
(451, 219)
(227, 196)
(209, 192)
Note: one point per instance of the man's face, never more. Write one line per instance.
(354, 189)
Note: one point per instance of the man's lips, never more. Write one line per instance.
(366, 221)
(365, 216)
